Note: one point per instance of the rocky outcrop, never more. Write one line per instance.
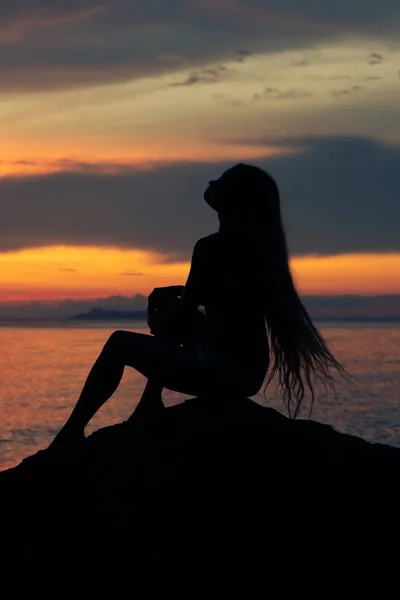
(214, 493)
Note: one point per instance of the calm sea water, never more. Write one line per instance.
(43, 368)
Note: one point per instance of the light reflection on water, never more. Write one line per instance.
(44, 366)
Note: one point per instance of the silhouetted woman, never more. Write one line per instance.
(254, 319)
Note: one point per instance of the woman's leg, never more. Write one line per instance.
(150, 404)
(164, 364)
(101, 383)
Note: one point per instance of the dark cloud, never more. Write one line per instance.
(270, 90)
(276, 94)
(346, 92)
(130, 274)
(243, 55)
(300, 63)
(375, 59)
(338, 195)
(293, 94)
(339, 93)
(157, 209)
(206, 75)
(83, 42)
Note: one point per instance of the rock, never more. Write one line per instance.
(219, 492)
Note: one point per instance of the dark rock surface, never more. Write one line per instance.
(227, 495)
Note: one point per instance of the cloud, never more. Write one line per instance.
(347, 91)
(276, 94)
(293, 94)
(130, 274)
(88, 42)
(375, 59)
(243, 55)
(339, 194)
(206, 75)
(300, 63)
(78, 166)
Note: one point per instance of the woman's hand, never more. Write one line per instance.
(163, 307)
(155, 323)
(166, 323)
(161, 297)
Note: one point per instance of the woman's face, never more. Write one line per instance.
(218, 188)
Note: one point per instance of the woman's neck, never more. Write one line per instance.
(230, 225)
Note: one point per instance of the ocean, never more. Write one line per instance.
(43, 367)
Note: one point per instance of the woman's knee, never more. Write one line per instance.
(116, 341)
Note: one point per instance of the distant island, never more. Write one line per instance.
(99, 314)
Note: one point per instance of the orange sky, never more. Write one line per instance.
(67, 272)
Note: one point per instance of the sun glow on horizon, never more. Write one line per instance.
(62, 272)
(83, 272)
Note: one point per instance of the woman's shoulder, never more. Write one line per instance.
(222, 245)
(207, 244)
(208, 240)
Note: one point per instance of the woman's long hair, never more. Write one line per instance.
(298, 352)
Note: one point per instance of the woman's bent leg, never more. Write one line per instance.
(150, 404)
(161, 362)
(100, 385)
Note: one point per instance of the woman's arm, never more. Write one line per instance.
(185, 309)
(195, 285)
(176, 290)
(167, 291)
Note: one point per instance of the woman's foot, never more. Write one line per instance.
(61, 450)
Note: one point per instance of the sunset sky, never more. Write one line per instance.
(114, 114)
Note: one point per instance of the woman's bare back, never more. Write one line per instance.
(235, 321)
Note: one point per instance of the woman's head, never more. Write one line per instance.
(243, 190)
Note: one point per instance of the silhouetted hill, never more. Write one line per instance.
(218, 494)
(99, 314)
